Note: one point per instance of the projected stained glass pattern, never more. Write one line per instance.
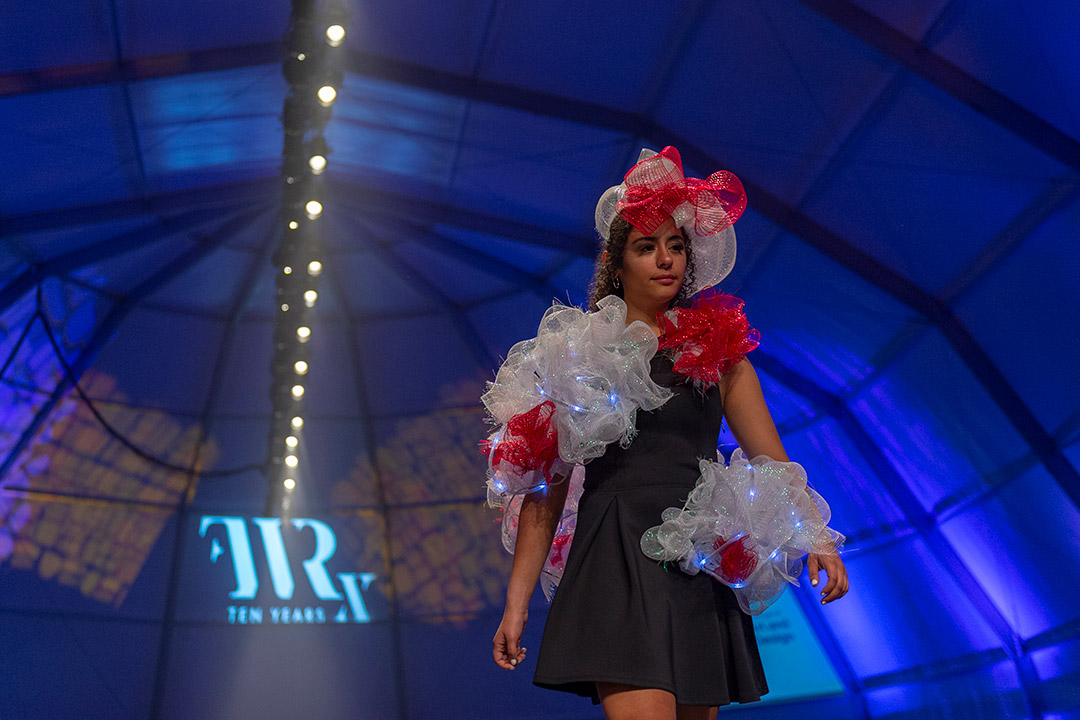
(82, 510)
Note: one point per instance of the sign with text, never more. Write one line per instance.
(280, 572)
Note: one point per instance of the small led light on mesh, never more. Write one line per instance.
(314, 268)
(298, 422)
(293, 224)
(326, 94)
(301, 57)
(314, 209)
(291, 441)
(289, 483)
(310, 296)
(291, 461)
(284, 307)
(297, 391)
(300, 367)
(303, 332)
(317, 163)
(335, 35)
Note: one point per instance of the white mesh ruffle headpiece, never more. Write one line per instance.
(656, 188)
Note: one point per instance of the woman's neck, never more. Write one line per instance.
(646, 315)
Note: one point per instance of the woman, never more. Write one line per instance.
(645, 640)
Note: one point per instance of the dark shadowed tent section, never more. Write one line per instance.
(909, 256)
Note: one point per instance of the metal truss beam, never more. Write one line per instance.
(112, 321)
(949, 77)
(103, 251)
(224, 196)
(153, 67)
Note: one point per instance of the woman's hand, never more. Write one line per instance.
(506, 644)
(833, 566)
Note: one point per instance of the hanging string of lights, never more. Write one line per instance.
(312, 69)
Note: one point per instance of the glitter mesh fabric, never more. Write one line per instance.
(555, 563)
(524, 453)
(709, 338)
(748, 525)
(656, 188)
(593, 367)
(558, 400)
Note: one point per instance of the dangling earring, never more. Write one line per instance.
(616, 282)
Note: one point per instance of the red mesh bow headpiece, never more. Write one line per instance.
(656, 188)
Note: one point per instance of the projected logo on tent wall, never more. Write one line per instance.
(287, 576)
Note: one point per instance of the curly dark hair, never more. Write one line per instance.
(603, 281)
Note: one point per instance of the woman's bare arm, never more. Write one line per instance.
(539, 518)
(752, 425)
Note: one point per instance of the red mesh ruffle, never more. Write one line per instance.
(656, 188)
(710, 337)
(530, 442)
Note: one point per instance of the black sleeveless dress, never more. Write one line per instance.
(621, 617)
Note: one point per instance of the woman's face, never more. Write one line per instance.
(653, 265)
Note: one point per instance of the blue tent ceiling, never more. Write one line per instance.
(913, 171)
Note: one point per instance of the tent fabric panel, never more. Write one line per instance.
(818, 318)
(152, 27)
(105, 667)
(395, 356)
(66, 148)
(1059, 668)
(1019, 310)
(334, 468)
(575, 278)
(244, 673)
(432, 457)
(533, 259)
(210, 286)
(790, 411)
(601, 41)
(861, 502)
(904, 611)
(891, 195)
(394, 129)
(226, 119)
(772, 139)
(506, 321)
(994, 693)
(912, 18)
(1041, 48)
(29, 382)
(442, 276)
(535, 168)
(448, 36)
(239, 442)
(49, 245)
(371, 286)
(244, 388)
(83, 560)
(936, 424)
(48, 35)
(183, 346)
(448, 562)
(755, 236)
(122, 273)
(1017, 542)
(73, 453)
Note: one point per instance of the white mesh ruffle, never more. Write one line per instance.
(593, 366)
(555, 564)
(747, 524)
